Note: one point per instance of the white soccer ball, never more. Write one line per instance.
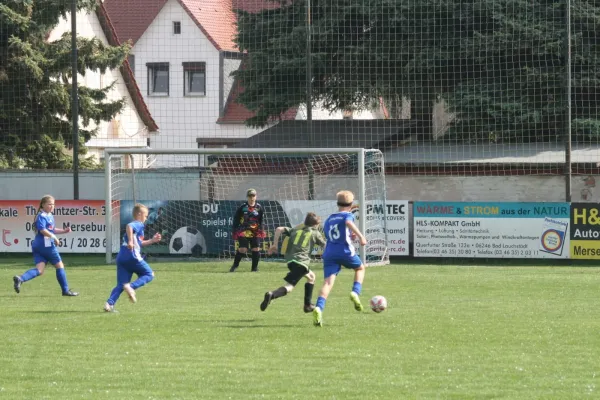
(378, 304)
(187, 240)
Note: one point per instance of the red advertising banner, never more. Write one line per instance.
(85, 217)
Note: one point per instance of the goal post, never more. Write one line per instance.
(192, 195)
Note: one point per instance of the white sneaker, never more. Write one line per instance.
(109, 308)
(130, 292)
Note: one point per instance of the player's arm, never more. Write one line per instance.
(319, 239)
(278, 232)
(50, 235)
(261, 214)
(236, 218)
(59, 231)
(40, 226)
(130, 236)
(350, 225)
(155, 239)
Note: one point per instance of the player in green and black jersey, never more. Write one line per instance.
(297, 255)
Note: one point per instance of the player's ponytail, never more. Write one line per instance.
(43, 201)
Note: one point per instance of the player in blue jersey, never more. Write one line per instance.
(340, 230)
(130, 261)
(45, 248)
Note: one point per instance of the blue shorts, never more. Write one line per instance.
(133, 266)
(333, 266)
(46, 255)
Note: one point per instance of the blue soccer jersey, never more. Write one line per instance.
(43, 221)
(135, 254)
(339, 241)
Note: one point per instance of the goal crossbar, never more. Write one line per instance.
(109, 152)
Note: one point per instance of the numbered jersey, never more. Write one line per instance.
(339, 241)
(43, 221)
(135, 254)
(301, 242)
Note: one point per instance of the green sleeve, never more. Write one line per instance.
(318, 238)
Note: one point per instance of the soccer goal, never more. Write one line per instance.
(192, 195)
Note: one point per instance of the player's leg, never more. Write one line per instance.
(145, 275)
(296, 273)
(255, 248)
(308, 291)
(123, 276)
(356, 264)
(240, 253)
(61, 274)
(330, 271)
(40, 264)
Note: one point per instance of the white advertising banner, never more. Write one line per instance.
(85, 217)
(491, 230)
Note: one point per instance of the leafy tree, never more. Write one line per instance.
(499, 63)
(35, 88)
(509, 85)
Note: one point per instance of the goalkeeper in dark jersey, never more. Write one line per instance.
(247, 230)
(297, 255)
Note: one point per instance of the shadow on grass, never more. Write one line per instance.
(16, 296)
(250, 323)
(261, 326)
(61, 312)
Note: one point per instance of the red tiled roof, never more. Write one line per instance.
(254, 6)
(126, 72)
(131, 18)
(235, 113)
(215, 18)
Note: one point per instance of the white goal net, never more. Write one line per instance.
(192, 202)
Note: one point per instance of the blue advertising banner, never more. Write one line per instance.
(198, 228)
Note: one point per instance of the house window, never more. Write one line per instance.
(158, 79)
(176, 27)
(194, 79)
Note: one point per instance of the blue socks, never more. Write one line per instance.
(357, 287)
(321, 303)
(30, 274)
(114, 295)
(138, 283)
(61, 277)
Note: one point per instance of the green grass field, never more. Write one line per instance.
(450, 332)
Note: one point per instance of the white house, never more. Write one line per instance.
(134, 125)
(183, 54)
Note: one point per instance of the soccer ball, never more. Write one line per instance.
(378, 304)
(187, 240)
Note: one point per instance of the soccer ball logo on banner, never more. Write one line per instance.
(187, 240)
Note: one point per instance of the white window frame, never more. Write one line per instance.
(188, 69)
(154, 68)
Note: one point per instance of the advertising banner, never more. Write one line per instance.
(200, 228)
(85, 217)
(585, 231)
(491, 230)
(395, 212)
